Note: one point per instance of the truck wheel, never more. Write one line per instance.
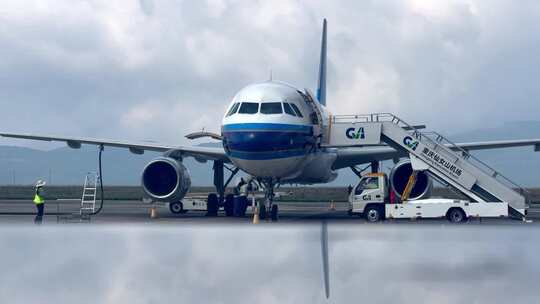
(373, 214)
(212, 205)
(456, 215)
(229, 204)
(177, 208)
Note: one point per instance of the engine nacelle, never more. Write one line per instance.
(165, 179)
(400, 176)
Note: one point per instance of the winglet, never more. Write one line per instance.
(321, 86)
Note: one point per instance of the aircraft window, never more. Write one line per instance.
(271, 108)
(288, 109)
(298, 113)
(249, 108)
(233, 109)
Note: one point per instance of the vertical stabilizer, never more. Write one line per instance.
(321, 86)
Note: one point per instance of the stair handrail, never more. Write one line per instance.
(467, 155)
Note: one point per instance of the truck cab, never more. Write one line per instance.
(371, 193)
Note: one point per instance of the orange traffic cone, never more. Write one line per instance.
(332, 206)
(153, 212)
(256, 215)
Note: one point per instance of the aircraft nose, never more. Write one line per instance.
(248, 141)
(263, 141)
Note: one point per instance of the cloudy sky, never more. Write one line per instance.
(233, 264)
(156, 70)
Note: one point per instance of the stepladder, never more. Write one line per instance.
(88, 199)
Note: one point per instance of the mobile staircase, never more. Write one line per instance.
(431, 152)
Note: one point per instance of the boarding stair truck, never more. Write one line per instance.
(371, 199)
(432, 153)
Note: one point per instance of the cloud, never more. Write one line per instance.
(147, 6)
(88, 68)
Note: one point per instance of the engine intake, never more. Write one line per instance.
(400, 176)
(166, 179)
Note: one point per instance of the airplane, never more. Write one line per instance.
(273, 132)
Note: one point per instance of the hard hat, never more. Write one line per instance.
(40, 183)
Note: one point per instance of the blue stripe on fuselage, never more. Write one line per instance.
(266, 127)
(257, 141)
(266, 155)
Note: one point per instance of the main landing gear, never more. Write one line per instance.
(217, 200)
(268, 204)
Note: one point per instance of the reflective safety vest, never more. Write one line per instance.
(244, 189)
(38, 199)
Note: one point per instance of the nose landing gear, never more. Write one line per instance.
(268, 204)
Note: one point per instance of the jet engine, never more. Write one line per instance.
(166, 179)
(400, 176)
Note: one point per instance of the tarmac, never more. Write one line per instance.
(121, 211)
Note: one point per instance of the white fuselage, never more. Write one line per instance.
(268, 132)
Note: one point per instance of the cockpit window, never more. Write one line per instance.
(271, 108)
(288, 109)
(296, 110)
(233, 109)
(249, 108)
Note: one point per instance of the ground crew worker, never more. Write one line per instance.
(244, 189)
(239, 186)
(39, 201)
(240, 201)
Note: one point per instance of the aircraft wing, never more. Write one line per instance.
(484, 145)
(200, 153)
(360, 155)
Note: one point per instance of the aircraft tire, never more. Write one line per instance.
(262, 212)
(274, 213)
(244, 207)
(212, 206)
(240, 203)
(229, 204)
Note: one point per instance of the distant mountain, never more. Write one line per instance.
(65, 166)
(522, 165)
